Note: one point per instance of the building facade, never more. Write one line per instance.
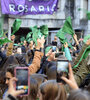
(65, 8)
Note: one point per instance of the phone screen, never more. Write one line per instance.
(53, 48)
(23, 80)
(62, 70)
(57, 55)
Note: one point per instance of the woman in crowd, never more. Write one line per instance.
(51, 90)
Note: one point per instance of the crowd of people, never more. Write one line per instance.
(41, 62)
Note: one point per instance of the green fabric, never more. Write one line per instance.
(16, 44)
(5, 40)
(61, 35)
(86, 38)
(67, 28)
(47, 49)
(63, 39)
(22, 39)
(28, 37)
(84, 56)
(88, 15)
(67, 54)
(21, 43)
(44, 30)
(16, 25)
(38, 33)
(1, 25)
(35, 34)
(29, 40)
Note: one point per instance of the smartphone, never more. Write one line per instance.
(57, 55)
(23, 76)
(53, 48)
(62, 70)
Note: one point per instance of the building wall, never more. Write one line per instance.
(65, 8)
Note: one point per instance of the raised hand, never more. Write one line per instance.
(11, 89)
(71, 81)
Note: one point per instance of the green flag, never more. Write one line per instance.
(44, 30)
(38, 33)
(28, 35)
(35, 33)
(67, 28)
(16, 25)
(22, 39)
(29, 40)
(88, 15)
(62, 36)
(5, 40)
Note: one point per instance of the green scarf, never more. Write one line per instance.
(84, 56)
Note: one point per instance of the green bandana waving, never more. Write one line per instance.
(38, 33)
(5, 40)
(67, 28)
(16, 25)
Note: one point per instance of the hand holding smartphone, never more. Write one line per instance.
(62, 70)
(22, 74)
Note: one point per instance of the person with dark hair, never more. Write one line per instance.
(8, 75)
(51, 73)
(2, 58)
(54, 42)
(21, 60)
(11, 92)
